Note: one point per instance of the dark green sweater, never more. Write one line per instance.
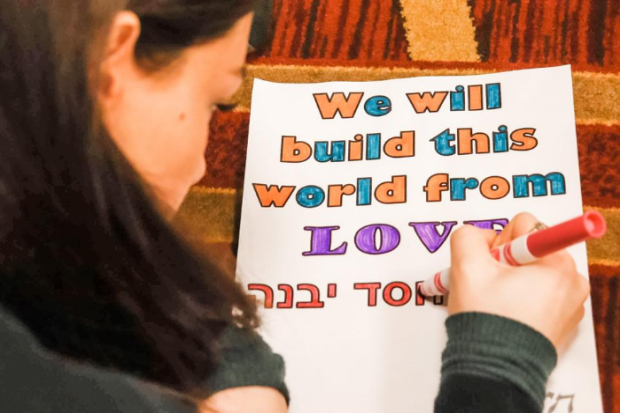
(37, 381)
(493, 364)
(490, 364)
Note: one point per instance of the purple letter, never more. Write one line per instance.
(428, 234)
(321, 242)
(365, 239)
(488, 223)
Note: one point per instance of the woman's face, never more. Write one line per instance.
(160, 120)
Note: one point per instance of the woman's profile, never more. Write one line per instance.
(104, 114)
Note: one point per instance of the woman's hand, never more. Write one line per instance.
(547, 295)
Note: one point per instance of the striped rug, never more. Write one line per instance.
(323, 40)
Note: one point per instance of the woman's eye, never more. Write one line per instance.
(226, 107)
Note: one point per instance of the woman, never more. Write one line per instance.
(103, 120)
(105, 107)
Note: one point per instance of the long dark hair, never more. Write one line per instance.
(88, 262)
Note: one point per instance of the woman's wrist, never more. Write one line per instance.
(499, 348)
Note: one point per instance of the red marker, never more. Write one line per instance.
(528, 248)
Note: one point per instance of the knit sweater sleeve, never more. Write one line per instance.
(247, 360)
(492, 364)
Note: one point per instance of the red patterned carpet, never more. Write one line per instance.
(321, 40)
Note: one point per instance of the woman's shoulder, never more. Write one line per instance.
(36, 380)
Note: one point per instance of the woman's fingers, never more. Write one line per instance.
(561, 260)
(469, 241)
(521, 224)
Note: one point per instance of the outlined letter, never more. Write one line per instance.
(288, 296)
(336, 192)
(321, 241)
(539, 184)
(457, 99)
(523, 139)
(372, 291)
(494, 187)
(435, 185)
(293, 151)
(373, 146)
(475, 97)
(338, 103)
(356, 148)
(335, 155)
(393, 192)
(429, 234)
(500, 139)
(378, 106)
(310, 196)
(443, 144)
(366, 239)
(427, 101)
(466, 139)
(315, 300)
(390, 300)
(402, 146)
(494, 95)
(265, 289)
(364, 194)
(273, 195)
(458, 187)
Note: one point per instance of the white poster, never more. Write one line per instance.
(351, 192)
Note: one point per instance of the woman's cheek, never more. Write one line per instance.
(199, 146)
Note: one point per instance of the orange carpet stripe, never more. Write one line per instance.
(614, 264)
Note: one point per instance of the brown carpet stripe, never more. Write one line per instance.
(583, 33)
(605, 293)
(360, 30)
